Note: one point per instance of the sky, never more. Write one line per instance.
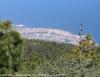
(60, 14)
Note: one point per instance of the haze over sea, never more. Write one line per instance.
(60, 14)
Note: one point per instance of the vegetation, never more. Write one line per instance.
(10, 48)
(22, 56)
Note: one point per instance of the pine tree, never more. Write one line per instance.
(86, 46)
(11, 47)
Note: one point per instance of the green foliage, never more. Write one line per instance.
(53, 58)
(86, 49)
(37, 52)
(10, 48)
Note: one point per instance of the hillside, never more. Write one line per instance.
(29, 57)
(51, 58)
(46, 49)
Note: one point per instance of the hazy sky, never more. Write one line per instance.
(62, 14)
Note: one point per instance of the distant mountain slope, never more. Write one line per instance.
(47, 34)
(46, 49)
